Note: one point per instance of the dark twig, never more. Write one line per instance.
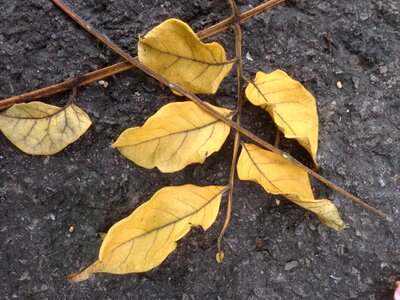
(67, 85)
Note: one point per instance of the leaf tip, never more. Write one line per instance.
(335, 223)
(74, 277)
(84, 275)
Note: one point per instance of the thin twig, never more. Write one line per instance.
(121, 66)
(212, 111)
(236, 144)
(67, 85)
(256, 10)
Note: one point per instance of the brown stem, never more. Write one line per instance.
(122, 66)
(256, 10)
(68, 84)
(236, 144)
(212, 111)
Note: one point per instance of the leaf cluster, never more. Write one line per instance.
(183, 133)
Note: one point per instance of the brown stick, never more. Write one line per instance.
(68, 84)
(125, 65)
(212, 111)
(236, 143)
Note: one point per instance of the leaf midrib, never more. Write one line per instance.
(171, 133)
(171, 223)
(189, 58)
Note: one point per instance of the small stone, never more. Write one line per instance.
(383, 69)
(381, 182)
(71, 229)
(291, 265)
(339, 85)
(312, 227)
(364, 16)
(248, 56)
(277, 202)
(299, 230)
(24, 276)
(103, 83)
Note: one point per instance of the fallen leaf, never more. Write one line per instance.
(279, 176)
(42, 129)
(179, 134)
(291, 106)
(173, 50)
(144, 239)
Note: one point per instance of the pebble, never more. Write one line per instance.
(383, 69)
(103, 83)
(248, 56)
(339, 85)
(356, 82)
(291, 265)
(71, 229)
(299, 230)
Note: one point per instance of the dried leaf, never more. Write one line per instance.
(42, 129)
(291, 106)
(174, 51)
(279, 176)
(143, 240)
(179, 134)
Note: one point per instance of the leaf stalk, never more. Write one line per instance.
(236, 143)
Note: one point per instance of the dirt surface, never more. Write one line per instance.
(272, 251)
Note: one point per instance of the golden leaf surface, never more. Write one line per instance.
(42, 129)
(144, 239)
(173, 50)
(179, 134)
(279, 176)
(290, 105)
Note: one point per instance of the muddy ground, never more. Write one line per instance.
(272, 251)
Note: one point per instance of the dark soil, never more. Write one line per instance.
(271, 251)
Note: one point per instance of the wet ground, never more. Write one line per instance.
(273, 251)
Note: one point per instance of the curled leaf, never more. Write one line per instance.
(291, 106)
(279, 176)
(143, 240)
(42, 129)
(179, 134)
(174, 51)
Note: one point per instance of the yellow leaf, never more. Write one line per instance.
(291, 106)
(143, 240)
(174, 51)
(279, 176)
(179, 134)
(42, 129)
